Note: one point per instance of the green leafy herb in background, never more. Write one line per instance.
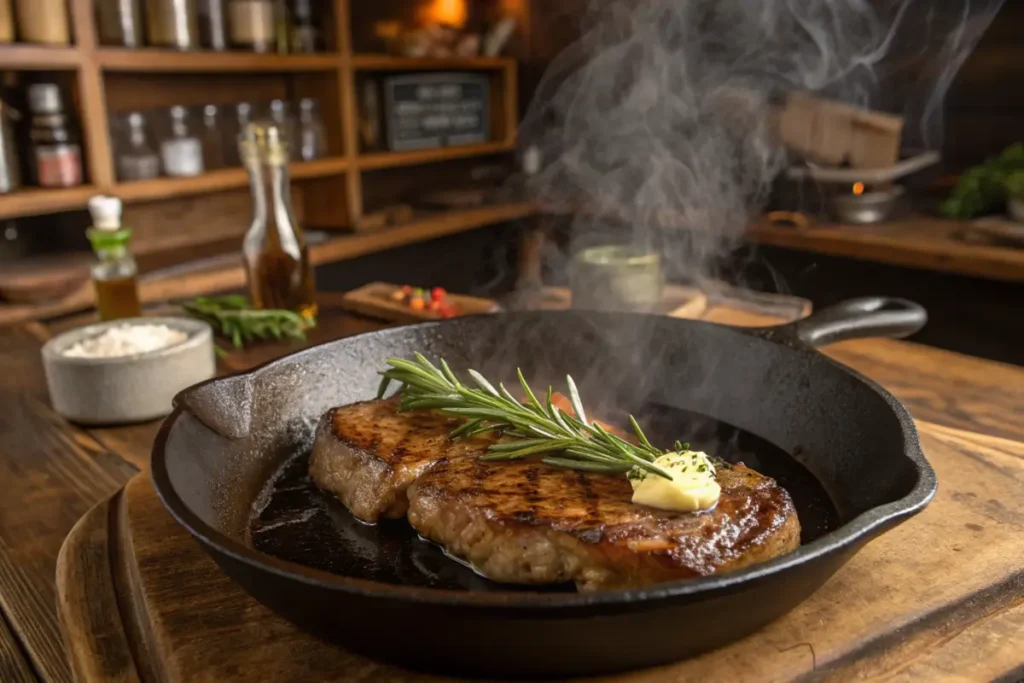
(233, 318)
(984, 189)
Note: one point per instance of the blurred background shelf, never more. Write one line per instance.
(385, 62)
(217, 181)
(380, 160)
(39, 57)
(153, 59)
(32, 201)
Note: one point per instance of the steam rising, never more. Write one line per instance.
(657, 125)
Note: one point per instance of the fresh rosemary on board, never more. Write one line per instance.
(233, 318)
(538, 427)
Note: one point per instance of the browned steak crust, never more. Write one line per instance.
(526, 522)
(367, 454)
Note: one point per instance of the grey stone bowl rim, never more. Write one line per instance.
(199, 334)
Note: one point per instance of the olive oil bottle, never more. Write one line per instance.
(274, 249)
(114, 272)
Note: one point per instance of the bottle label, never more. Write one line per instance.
(59, 165)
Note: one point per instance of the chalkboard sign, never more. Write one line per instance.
(424, 111)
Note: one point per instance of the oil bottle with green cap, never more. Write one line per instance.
(114, 272)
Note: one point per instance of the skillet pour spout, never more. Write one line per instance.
(215, 453)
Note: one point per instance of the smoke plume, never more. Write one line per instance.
(656, 126)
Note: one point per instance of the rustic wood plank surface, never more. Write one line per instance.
(917, 242)
(874, 618)
(14, 667)
(61, 470)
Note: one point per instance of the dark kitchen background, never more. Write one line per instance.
(451, 211)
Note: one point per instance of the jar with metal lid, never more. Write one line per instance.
(119, 22)
(172, 23)
(213, 24)
(10, 174)
(312, 135)
(54, 141)
(137, 160)
(6, 22)
(281, 116)
(213, 140)
(182, 152)
(305, 35)
(253, 25)
(43, 21)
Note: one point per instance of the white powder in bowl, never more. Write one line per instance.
(127, 340)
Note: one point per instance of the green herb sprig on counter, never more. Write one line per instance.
(233, 318)
(983, 189)
(538, 428)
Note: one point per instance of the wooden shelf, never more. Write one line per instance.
(33, 201)
(382, 62)
(420, 230)
(216, 181)
(377, 160)
(27, 56)
(150, 60)
(915, 242)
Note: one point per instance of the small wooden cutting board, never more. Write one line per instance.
(374, 301)
(941, 596)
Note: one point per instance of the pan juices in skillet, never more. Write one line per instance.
(527, 521)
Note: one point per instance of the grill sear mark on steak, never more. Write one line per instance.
(367, 454)
(526, 522)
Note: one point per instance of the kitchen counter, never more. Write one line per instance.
(915, 241)
(54, 472)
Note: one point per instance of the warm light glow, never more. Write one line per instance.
(452, 12)
(858, 188)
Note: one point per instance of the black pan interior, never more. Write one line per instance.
(297, 522)
(234, 435)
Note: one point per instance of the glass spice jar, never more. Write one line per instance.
(213, 144)
(119, 22)
(312, 134)
(137, 160)
(252, 25)
(172, 23)
(305, 35)
(281, 116)
(213, 25)
(54, 142)
(182, 152)
(43, 21)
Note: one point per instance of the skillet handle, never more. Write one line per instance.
(223, 404)
(877, 316)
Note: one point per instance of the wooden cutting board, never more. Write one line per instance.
(940, 596)
(374, 301)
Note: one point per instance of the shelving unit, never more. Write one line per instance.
(99, 68)
(328, 193)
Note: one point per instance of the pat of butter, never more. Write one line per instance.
(692, 487)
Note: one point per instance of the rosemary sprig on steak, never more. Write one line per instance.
(538, 428)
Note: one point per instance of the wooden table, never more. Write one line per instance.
(54, 472)
(917, 242)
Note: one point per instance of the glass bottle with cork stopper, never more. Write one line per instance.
(114, 273)
(274, 249)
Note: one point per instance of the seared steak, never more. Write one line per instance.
(526, 522)
(367, 454)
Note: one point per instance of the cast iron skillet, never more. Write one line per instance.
(227, 437)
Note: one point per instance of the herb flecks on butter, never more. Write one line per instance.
(692, 486)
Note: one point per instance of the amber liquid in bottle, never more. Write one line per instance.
(276, 257)
(117, 298)
(279, 280)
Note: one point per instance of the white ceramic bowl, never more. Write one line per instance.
(126, 388)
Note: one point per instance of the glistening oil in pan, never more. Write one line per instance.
(301, 524)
